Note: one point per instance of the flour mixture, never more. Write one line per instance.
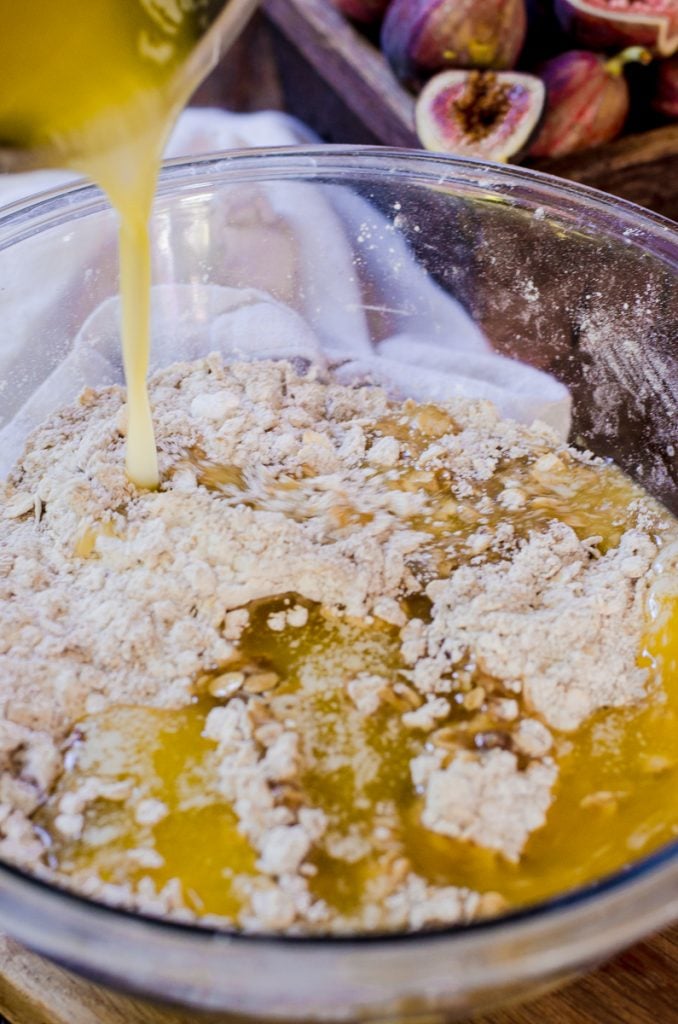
(356, 665)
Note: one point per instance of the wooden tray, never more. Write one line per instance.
(638, 987)
(333, 78)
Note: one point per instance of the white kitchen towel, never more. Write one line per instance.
(287, 285)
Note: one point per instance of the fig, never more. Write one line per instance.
(486, 114)
(421, 36)
(666, 97)
(606, 24)
(587, 100)
(365, 11)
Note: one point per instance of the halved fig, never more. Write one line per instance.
(364, 11)
(487, 114)
(607, 24)
(420, 36)
(587, 100)
(666, 97)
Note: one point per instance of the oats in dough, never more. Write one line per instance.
(339, 619)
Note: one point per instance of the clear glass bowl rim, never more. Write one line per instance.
(572, 202)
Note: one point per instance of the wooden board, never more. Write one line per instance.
(362, 102)
(639, 987)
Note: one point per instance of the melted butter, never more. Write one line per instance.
(616, 797)
(591, 501)
(97, 87)
(162, 755)
(85, 545)
(157, 755)
(102, 93)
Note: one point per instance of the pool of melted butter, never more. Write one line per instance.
(615, 800)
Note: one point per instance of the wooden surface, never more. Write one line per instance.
(353, 68)
(337, 81)
(247, 77)
(642, 168)
(639, 987)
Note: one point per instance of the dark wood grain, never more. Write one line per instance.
(246, 79)
(642, 168)
(350, 65)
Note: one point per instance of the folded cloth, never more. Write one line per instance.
(283, 283)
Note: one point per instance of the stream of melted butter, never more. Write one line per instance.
(96, 86)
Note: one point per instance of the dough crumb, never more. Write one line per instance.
(340, 617)
(489, 801)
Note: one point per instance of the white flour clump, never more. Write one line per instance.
(344, 506)
(487, 800)
(545, 621)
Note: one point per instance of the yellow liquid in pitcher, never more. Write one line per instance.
(96, 86)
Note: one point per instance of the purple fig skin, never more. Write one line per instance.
(587, 103)
(489, 115)
(421, 36)
(612, 24)
(364, 11)
(666, 97)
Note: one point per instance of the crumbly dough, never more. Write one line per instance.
(275, 483)
(486, 800)
(545, 621)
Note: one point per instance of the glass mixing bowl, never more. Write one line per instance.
(556, 275)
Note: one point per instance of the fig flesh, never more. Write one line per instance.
(364, 11)
(609, 24)
(421, 36)
(587, 101)
(666, 97)
(486, 114)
